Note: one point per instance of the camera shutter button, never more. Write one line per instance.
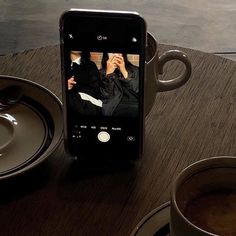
(103, 136)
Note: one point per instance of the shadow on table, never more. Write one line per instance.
(104, 182)
(79, 170)
(23, 184)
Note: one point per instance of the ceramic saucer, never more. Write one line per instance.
(156, 223)
(30, 130)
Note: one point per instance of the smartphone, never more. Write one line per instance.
(103, 67)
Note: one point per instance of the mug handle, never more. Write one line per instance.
(165, 85)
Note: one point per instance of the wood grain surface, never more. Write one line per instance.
(60, 197)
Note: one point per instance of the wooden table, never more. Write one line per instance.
(193, 122)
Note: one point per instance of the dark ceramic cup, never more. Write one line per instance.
(203, 199)
(154, 67)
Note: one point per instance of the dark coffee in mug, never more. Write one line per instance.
(214, 212)
(203, 199)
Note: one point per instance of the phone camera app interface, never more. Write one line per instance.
(102, 83)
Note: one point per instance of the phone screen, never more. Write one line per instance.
(103, 77)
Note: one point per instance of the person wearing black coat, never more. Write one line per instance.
(120, 86)
(84, 85)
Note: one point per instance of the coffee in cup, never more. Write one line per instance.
(203, 200)
(214, 211)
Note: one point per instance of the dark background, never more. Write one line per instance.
(205, 25)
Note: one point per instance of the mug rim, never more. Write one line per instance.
(186, 172)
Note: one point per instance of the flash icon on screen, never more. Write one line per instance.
(70, 36)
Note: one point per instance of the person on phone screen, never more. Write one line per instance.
(120, 85)
(84, 84)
